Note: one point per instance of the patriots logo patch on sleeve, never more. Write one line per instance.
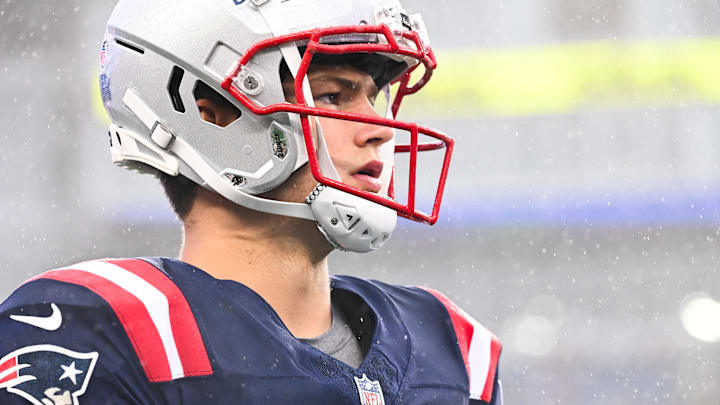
(47, 374)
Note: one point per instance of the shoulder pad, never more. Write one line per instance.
(153, 311)
(479, 347)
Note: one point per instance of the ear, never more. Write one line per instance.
(221, 115)
(208, 110)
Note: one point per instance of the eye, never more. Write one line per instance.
(328, 98)
(373, 99)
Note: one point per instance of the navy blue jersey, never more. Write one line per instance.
(159, 331)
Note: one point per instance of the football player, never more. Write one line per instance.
(262, 120)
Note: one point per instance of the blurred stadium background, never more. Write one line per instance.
(582, 217)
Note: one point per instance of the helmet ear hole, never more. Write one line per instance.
(213, 107)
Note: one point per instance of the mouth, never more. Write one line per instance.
(369, 176)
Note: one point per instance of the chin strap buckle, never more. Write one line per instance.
(161, 135)
(160, 138)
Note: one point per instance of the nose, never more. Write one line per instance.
(370, 134)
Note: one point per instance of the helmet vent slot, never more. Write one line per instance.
(174, 89)
(130, 46)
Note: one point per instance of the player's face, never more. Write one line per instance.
(353, 146)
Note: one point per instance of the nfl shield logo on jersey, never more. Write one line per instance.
(370, 391)
(46, 374)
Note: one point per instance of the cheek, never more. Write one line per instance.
(338, 137)
(294, 189)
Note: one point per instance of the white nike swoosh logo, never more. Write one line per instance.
(50, 323)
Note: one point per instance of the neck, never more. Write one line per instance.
(282, 259)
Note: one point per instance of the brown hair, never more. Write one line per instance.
(180, 191)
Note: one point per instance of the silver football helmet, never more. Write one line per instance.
(156, 51)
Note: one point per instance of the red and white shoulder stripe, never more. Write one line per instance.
(479, 347)
(153, 311)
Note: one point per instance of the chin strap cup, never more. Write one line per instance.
(351, 223)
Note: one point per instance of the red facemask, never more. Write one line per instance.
(407, 44)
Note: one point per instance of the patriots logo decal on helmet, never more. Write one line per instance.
(46, 374)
